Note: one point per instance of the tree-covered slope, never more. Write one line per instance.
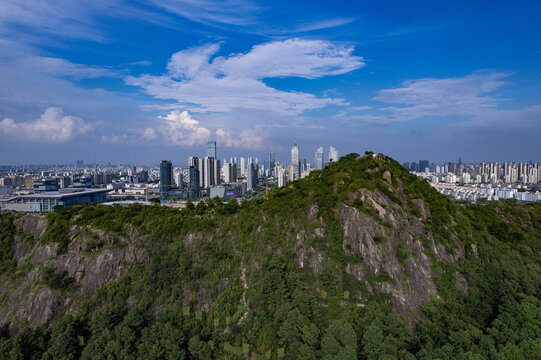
(359, 260)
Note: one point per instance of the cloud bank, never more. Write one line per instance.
(52, 126)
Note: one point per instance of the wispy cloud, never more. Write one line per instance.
(226, 83)
(209, 12)
(52, 126)
(470, 100)
(321, 25)
(468, 95)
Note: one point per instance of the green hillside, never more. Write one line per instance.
(359, 260)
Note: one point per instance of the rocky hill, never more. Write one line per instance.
(361, 259)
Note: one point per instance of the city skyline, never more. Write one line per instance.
(136, 82)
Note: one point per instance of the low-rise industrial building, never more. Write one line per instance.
(46, 201)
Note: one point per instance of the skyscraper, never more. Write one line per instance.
(333, 154)
(242, 166)
(211, 149)
(319, 158)
(272, 162)
(295, 161)
(193, 185)
(166, 177)
(423, 165)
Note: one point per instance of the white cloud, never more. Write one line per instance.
(247, 139)
(180, 128)
(228, 83)
(442, 97)
(149, 134)
(359, 108)
(52, 126)
(230, 12)
(324, 24)
(113, 139)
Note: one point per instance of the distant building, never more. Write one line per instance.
(211, 149)
(166, 177)
(333, 154)
(230, 172)
(272, 163)
(252, 178)
(46, 201)
(319, 161)
(45, 185)
(193, 184)
(423, 165)
(228, 191)
(295, 161)
(282, 178)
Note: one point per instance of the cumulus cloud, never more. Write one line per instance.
(149, 134)
(52, 126)
(247, 139)
(202, 83)
(181, 129)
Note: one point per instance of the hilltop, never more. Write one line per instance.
(361, 259)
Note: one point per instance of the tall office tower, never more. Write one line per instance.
(231, 160)
(272, 163)
(179, 179)
(242, 166)
(295, 161)
(256, 161)
(216, 176)
(193, 185)
(166, 177)
(281, 174)
(423, 165)
(211, 149)
(193, 161)
(333, 154)
(319, 158)
(249, 178)
(290, 173)
(235, 160)
(230, 173)
(132, 171)
(250, 161)
(201, 169)
(207, 173)
(252, 178)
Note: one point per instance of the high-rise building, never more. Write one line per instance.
(319, 158)
(193, 184)
(179, 179)
(252, 176)
(281, 174)
(166, 177)
(242, 166)
(272, 163)
(230, 172)
(423, 165)
(211, 149)
(193, 161)
(333, 154)
(295, 161)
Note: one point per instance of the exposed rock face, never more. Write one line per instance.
(31, 300)
(410, 270)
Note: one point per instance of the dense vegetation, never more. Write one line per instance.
(222, 279)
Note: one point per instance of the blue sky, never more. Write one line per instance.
(140, 81)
